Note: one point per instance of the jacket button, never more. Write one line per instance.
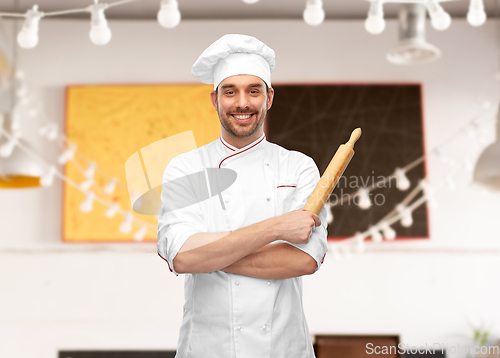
(268, 198)
(267, 164)
(237, 283)
(226, 201)
(268, 283)
(224, 164)
(264, 327)
(238, 328)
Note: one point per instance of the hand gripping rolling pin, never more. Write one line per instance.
(332, 174)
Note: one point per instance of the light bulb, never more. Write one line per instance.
(169, 15)
(28, 36)
(387, 231)
(375, 234)
(90, 171)
(402, 181)
(111, 211)
(126, 225)
(52, 132)
(406, 217)
(364, 199)
(250, 1)
(314, 14)
(360, 243)
(86, 184)
(329, 214)
(27, 39)
(8, 147)
(375, 22)
(440, 19)
(139, 235)
(110, 187)
(48, 178)
(100, 34)
(476, 18)
(68, 154)
(476, 15)
(86, 205)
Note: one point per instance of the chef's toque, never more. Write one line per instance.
(234, 55)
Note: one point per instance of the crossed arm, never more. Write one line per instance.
(246, 251)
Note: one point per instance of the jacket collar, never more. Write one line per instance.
(226, 149)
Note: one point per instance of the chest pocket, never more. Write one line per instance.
(284, 195)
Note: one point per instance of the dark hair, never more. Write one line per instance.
(217, 90)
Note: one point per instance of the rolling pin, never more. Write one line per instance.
(332, 174)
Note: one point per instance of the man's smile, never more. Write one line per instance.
(243, 118)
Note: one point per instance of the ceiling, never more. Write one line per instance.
(232, 9)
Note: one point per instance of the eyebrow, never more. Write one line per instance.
(253, 85)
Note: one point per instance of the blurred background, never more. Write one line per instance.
(438, 285)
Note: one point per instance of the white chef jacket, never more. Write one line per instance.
(231, 315)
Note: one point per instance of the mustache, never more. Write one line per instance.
(249, 110)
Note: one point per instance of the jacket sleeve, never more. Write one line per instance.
(317, 245)
(180, 215)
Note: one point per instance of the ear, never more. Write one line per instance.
(213, 98)
(270, 98)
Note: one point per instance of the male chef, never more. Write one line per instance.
(243, 252)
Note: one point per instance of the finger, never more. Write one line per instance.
(317, 220)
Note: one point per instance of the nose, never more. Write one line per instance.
(242, 100)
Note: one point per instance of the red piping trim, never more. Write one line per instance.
(165, 261)
(323, 258)
(241, 151)
(225, 144)
(291, 186)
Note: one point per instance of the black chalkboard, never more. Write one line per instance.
(316, 119)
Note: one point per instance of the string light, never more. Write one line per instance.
(48, 178)
(375, 234)
(359, 240)
(402, 182)
(8, 147)
(440, 19)
(169, 15)
(90, 171)
(86, 205)
(314, 14)
(250, 1)
(68, 154)
(329, 214)
(28, 36)
(111, 211)
(406, 217)
(100, 33)
(476, 16)
(375, 23)
(126, 225)
(87, 184)
(110, 187)
(388, 232)
(364, 199)
(139, 235)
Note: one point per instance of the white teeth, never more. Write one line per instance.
(246, 116)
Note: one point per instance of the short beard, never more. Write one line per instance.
(228, 127)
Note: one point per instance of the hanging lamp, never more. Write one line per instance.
(487, 170)
(412, 47)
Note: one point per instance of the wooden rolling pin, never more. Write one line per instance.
(332, 174)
